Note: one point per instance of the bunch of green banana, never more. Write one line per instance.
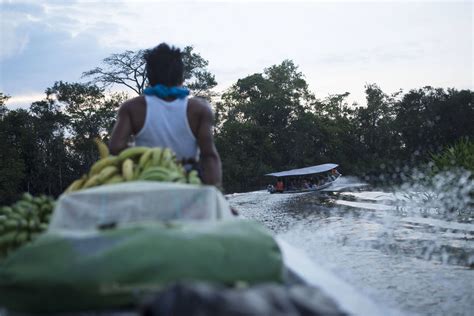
(134, 164)
(24, 220)
(159, 164)
(102, 148)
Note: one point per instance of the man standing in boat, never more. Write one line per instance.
(165, 117)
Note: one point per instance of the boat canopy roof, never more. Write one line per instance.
(304, 171)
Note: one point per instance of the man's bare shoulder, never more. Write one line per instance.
(133, 103)
(200, 105)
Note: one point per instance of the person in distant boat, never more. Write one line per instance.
(334, 173)
(292, 185)
(270, 188)
(280, 187)
(165, 117)
(306, 184)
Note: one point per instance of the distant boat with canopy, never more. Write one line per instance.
(308, 179)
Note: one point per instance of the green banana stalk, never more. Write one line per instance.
(102, 148)
(91, 182)
(115, 179)
(102, 163)
(107, 173)
(76, 185)
(157, 154)
(145, 158)
(193, 177)
(127, 169)
(22, 221)
(132, 152)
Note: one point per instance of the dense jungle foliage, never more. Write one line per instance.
(265, 122)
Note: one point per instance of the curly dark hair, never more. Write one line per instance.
(164, 65)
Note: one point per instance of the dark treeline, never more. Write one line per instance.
(270, 122)
(43, 149)
(265, 122)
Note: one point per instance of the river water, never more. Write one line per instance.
(408, 261)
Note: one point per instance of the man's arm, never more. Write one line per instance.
(209, 158)
(121, 132)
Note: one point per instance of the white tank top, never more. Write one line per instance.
(166, 125)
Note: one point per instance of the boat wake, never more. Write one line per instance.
(404, 251)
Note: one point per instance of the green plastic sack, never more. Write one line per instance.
(79, 271)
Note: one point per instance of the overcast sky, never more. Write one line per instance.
(338, 46)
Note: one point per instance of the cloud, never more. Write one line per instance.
(23, 101)
(382, 54)
(22, 7)
(13, 15)
(338, 46)
(43, 45)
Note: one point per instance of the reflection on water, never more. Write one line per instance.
(404, 260)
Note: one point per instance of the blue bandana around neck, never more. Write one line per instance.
(163, 91)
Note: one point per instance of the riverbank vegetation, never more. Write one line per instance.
(265, 122)
(457, 156)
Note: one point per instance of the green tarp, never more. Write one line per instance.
(77, 271)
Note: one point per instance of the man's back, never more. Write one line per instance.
(166, 124)
(180, 128)
(133, 115)
(137, 109)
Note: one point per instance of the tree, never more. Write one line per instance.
(16, 154)
(337, 132)
(11, 165)
(196, 76)
(333, 106)
(3, 101)
(45, 148)
(258, 122)
(128, 69)
(375, 130)
(90, 114)
(430, 119)
(52, 159)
